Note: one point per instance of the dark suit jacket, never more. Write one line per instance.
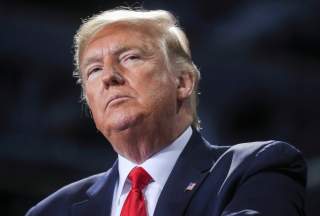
(261, 178)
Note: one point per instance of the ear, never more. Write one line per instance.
(185, 85)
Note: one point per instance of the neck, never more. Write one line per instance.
(140, 142)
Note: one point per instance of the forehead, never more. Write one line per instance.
(119, 35)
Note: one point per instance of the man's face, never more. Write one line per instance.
(126, 79)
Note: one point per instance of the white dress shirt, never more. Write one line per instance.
(159, 167)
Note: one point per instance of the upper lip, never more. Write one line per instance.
(114, 97)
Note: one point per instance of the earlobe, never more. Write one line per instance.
(185, 85)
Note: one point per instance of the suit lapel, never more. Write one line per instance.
(99, 196)
(187, 175)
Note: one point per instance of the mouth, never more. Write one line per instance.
(116, 99)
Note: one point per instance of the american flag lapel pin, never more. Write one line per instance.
(191, 186)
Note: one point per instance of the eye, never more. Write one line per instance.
(130, 59)
(92, 72)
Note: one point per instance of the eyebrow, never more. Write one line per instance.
(115, 51)
(91, 60)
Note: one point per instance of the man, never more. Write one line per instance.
(140, 84)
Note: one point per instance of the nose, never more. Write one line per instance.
(112, 78)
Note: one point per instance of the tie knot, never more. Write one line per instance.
(139, 178)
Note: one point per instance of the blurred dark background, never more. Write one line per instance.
(260, 64)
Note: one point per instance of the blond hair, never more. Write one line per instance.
(173, 42)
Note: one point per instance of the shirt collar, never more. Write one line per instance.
(160, 165)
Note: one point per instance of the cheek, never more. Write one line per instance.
(159, 92)
(93, 102)
(96, 112)
(89, 97)
(92, 92)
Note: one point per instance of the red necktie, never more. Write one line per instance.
(134, 204)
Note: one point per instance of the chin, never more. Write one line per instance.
(124, 122)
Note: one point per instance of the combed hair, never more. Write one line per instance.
(173, 41)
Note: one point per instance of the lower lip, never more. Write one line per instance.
(117, 100)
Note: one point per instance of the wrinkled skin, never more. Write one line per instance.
(137, 102)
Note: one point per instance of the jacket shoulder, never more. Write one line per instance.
(276, 156)
(60, 200)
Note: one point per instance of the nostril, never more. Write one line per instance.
(113, 79)
(114, 82)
